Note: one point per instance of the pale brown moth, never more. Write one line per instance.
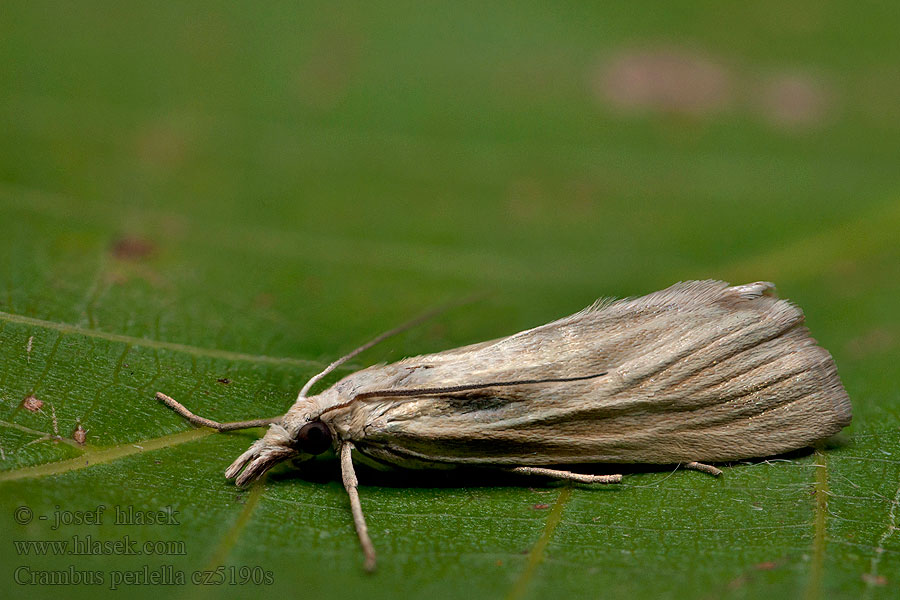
(697, 373)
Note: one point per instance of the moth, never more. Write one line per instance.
(697, 373)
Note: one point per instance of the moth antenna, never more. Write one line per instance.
(463, 388)
(197, 420)
(400, 329)
(348, 474)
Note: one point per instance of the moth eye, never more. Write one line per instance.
(314, 438)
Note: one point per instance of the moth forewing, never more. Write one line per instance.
(698, 372)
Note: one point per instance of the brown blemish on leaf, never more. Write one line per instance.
(324, 77)
(540, 506)
(162, 145)
(79, 435)
(684, 82)
(525, 199)
(874, 341)
(666, 80)
(794, 101)
(223, 380)
(737, 582)
(874, 579)
(263, 300)
(582, 198)
(749, 575)
(32, 403)
(132, 248)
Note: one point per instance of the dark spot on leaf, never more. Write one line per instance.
(132, 248)
(224, 380)
(32, 403)
(79, 435)
(541, 506)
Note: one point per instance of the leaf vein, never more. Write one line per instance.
(65, 328)
(880, 549)
(536, 555)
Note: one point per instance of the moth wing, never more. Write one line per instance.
(698, 371)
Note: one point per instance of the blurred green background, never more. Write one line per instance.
(215, 199)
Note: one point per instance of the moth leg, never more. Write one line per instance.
(567, 475)
(703, 468)
(359, 521)
(197, 420)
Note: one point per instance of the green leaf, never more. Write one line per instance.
(216, 201)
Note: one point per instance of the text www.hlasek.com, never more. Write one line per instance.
(87, 545)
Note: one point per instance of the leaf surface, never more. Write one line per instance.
(216, 201)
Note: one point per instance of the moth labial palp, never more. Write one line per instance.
(697, 373)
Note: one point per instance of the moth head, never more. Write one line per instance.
(298, 436)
